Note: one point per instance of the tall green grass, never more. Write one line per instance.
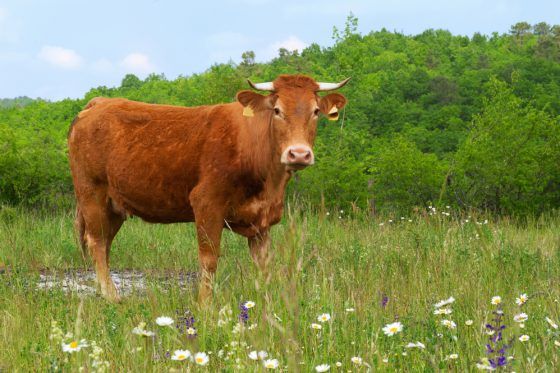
(321, 264)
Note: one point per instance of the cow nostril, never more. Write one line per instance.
(308, 156)
(291, 155)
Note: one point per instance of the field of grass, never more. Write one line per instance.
(364, 273)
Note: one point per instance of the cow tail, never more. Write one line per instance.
(80, 226)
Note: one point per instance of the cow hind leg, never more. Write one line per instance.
(101, 226)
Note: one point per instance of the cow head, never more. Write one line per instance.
(292, 109)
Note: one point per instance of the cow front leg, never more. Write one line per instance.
(258, 245)
(209, 224)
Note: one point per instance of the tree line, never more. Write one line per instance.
(432, 119)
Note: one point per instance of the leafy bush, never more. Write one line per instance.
(403, 177)
(510, 160)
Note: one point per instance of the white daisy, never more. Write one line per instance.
(443, 311)
(469, 322)
(141, 330)
(253, 355)
(444, 302)
(350, 309)
(181, 355)
(201, 358)
(191, 331)
(322, 368)
(484, 366)
(357, 360)
(262, 355)
(393, 328)
(164, 321)
(496, 300)
(271, 364)
(74, 346)
(522, 299)
(249, 304)
(522, 317)
(453, 357)
(524, 338)
(415, 345)
(324, 317)
(448, 324)
(316, 326)
(339, 364)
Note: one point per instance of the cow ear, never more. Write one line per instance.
(254, 102)
(331, 104)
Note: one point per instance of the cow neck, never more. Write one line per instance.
(263, 158)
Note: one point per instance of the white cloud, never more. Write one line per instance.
(292, 43)
(138, 63)
(226, 45)
(61, 57)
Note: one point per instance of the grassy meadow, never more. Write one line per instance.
(365, 273)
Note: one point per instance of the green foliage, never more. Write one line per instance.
(510, 160)
(434, 96)
(403, 177)
(15, 102)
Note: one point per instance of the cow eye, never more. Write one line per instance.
(276, 111)
(316, 112)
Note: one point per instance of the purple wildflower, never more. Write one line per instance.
(496, 349)
(185, 323)
(243, 313)
(384, 300)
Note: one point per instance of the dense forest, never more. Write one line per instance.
(15, 102)
(432, 119)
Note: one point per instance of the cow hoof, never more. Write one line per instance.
(111, 294)
(113, 298)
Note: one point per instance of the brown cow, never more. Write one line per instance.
(218, 166)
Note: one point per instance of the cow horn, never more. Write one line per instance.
(268, 86)
(332, 86)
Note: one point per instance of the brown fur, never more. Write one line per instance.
(209, 164)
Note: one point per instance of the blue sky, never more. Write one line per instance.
(61, 48)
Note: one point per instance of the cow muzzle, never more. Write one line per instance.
(297, 157)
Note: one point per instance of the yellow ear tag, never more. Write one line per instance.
(248, 112)
(333, 114)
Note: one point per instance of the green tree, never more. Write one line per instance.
(509, 161)
(402, 177)
(131, 81)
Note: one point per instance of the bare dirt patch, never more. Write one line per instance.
(127, 281)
